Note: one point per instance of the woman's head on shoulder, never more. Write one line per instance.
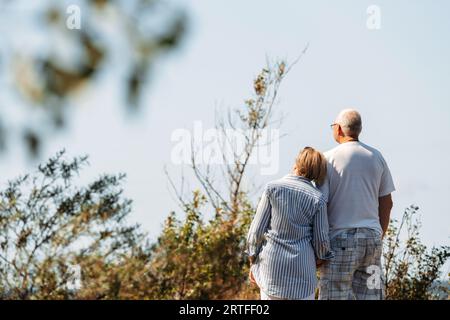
(311, 164)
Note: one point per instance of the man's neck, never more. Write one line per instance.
(348, 139)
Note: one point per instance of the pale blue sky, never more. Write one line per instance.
(398, 77)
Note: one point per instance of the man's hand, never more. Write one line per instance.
(384, 211)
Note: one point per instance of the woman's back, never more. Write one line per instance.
(291, 221)
(290, 231)
(294, 202)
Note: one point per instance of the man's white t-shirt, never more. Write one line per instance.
(357, 176)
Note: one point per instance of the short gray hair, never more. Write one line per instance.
(350, 122)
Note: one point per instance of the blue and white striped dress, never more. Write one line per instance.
(288, 233)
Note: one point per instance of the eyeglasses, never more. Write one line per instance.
(334, 124)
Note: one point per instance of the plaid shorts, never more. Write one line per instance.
(355, 272)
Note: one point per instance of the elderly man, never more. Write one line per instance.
(358, 188)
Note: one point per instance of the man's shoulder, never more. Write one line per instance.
(343, 148)
(335, 153)
(377, 153)
(330, 153)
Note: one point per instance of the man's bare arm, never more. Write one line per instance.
(384, 211)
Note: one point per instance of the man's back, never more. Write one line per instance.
(358, 190)
(357, 176)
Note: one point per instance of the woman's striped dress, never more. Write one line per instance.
(288, 233)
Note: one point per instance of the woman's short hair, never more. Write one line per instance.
(312, 165)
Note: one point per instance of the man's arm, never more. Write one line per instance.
(384, 211)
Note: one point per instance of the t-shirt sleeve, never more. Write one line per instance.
(387, 183)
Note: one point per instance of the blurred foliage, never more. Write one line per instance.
(47, 79)
(47, 225)
(411, 270)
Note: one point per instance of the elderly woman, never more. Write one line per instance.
(289, 233)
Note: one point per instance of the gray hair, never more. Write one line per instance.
(350, 122)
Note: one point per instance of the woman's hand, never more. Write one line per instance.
(251, 277)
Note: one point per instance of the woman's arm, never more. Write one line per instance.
(321, 241)
(259, 226)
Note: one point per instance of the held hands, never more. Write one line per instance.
(319, 263)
